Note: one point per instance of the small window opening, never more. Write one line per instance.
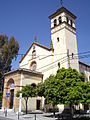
(72, 55)
(67, 19)
(60, 20)
(55, 22)
(59, 65)
(58, 39)
(71, 22)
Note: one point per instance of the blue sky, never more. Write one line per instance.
(25, 19)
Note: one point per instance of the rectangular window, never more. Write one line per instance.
(59, 65)
(58, 39)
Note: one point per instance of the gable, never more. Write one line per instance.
(35, 44)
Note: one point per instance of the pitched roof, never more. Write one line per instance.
(82, 63)
(60, 10)
(23, 70)
(37, 44)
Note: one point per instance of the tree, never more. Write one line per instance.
(51, 93)
(67, 87)
(27, 91)
(86, 93)
(8, 50)
(72, 90)
(40, 89)
(0, 95)
(50, 90)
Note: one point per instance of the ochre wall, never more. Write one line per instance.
(16, 77)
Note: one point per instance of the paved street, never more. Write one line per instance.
(11, 115)
(3, 118)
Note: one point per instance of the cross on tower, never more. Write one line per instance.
(61, 2)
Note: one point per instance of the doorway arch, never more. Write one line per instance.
(10, 86)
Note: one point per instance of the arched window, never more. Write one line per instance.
(71, 23)
(33, 85)
(60, 20)
(55, 22)
(33, 65)
(10, 84)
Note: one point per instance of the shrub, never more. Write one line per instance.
(84, 118)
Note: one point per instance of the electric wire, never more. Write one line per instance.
(65, 60)
(75, 55)
(20, 54)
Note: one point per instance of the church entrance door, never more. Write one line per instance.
(11, 99)
(38, 104)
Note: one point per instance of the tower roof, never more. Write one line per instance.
(60, 10)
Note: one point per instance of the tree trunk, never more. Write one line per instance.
(26, 104)
(54, 110)
(70, 111)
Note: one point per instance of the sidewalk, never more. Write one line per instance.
(14, 116)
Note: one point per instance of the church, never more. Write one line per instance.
(39, 62)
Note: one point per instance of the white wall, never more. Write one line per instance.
(86, 70)
(67, 36)
(30, 79)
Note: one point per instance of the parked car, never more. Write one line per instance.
(88, 111)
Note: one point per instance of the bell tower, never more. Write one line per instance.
(63, 36)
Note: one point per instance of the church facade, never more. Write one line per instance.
(40, 61)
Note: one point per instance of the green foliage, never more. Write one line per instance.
(84, 118)
(27, 91)
(1, 94)
(86, 92)
(67, 87)
(40, 89)
(72, 90)
(3, 40)
(18, 93)
(8, 50)
(52, 90)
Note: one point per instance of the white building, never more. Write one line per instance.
(40, 60)
(62, 49)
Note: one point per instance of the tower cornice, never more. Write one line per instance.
(61, 10)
